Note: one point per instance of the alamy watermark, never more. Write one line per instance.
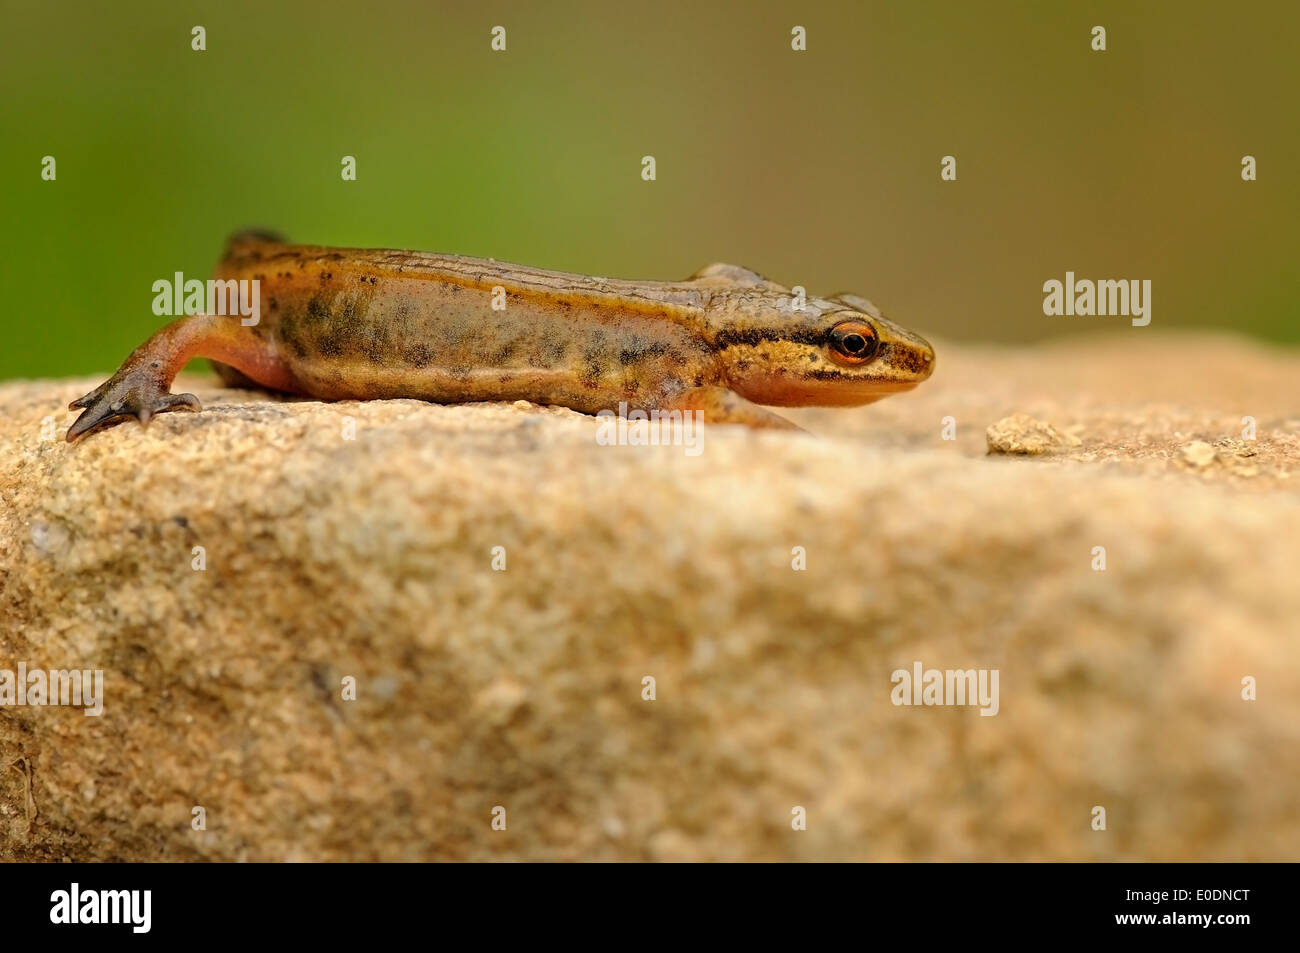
(1083, 296)
(74, 688)
(231, 296)
(652, 428)
(131, 907)
(946, 688)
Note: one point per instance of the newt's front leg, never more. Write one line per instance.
(141, 387)
(721, 405)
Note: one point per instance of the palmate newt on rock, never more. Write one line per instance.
(342, 324)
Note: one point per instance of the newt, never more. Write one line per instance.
(345, 324)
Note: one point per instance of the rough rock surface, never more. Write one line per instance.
(372, 558)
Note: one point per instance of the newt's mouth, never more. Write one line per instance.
(821, 389)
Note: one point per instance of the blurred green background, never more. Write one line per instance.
(818, 168)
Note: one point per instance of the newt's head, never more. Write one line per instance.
(838, 352)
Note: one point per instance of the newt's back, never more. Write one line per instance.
(365, 324)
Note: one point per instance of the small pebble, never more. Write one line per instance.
(1024, 435)
(1198, 453)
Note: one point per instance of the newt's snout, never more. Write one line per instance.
(905, 357)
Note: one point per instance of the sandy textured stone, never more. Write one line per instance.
(1022, 434)
(372, 558)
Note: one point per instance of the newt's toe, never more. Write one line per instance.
(166, 403)
(83, 402)
(91, 418)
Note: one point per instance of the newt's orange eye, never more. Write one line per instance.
(853, 342)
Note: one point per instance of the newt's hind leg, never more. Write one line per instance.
(141, 386)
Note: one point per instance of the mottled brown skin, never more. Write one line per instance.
(342, 324)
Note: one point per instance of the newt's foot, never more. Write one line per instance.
(130, 394)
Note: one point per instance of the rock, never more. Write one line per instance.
(326, 560)
(1199, 453)
(1022, 434)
